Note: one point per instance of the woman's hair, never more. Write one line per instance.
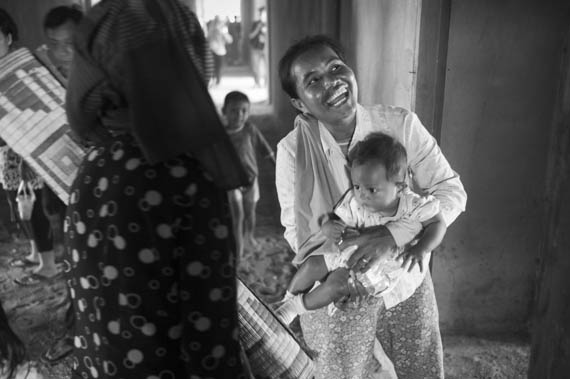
(385, 150)
(235, 97)
(60, 15)
(288, 82)
(8, 26)
(12, 350)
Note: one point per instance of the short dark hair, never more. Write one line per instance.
(300, 47)
(235, 97)
(7, 25)
(384, 149)
(60, 15)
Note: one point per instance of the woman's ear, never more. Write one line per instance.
(298, 105)
(10, 40)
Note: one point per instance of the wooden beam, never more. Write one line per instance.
(550, 350)
(432, 63)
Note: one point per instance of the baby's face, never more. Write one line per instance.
(372, 189)
(236, 114)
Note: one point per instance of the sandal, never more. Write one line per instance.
(57, 352)
(22, 262)
(34, 278)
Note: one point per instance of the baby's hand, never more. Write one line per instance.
(333, 229)
(413, 256)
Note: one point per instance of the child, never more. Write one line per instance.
(379, 196)
(246, 138)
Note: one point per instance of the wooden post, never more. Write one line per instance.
(432, 63)
(550, 352)
(289, 21)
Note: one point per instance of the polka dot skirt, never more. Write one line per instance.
(152, 273)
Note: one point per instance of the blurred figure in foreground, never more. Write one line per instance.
(148, 230)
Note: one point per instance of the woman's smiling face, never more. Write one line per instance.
(326, 86)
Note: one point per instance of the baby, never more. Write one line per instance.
(379, 196)
(247, 139)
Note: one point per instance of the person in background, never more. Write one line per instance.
(13, 172)
(59, 26)
(12, 349)
(235, 48)
(218, 38)
(257, 42)
(8, 38)
(247, 139)
(148, 229)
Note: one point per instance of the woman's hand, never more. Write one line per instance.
(374, 243)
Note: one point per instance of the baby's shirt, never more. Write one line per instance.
(413, 209)
(396, 285)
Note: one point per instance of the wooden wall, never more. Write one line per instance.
(550, 354)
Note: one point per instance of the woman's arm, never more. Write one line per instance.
(432, 173)
(285, 185)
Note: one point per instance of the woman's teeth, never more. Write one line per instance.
(338, 97)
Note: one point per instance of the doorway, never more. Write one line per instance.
(241, 65)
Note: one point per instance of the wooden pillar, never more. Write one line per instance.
(550, 352)
(432, 63)
(384, 47)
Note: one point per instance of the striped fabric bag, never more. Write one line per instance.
(271, 348)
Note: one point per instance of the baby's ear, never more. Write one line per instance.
(401, 186)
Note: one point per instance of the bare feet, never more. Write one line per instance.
(47, 268)
(33, 256)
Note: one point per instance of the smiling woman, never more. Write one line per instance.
(311, 175)
(328, 86)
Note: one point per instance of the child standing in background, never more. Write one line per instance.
(246, 139)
